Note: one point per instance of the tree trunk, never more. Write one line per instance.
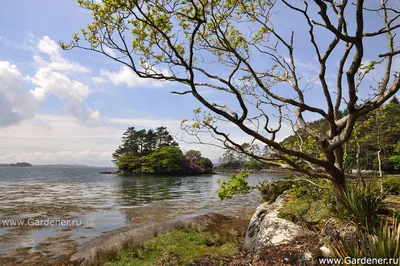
(338, 178)
(380, 169)
(339, 183)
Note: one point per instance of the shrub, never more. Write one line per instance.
(360, 205)
(271, 189)
(385, 243)
(308, 204)
(236, 184)
(392, 185)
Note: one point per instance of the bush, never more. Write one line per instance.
(360, 205)
(385, 243)
(308, 204)
(236, 184)
(392, 185)
(271, 189)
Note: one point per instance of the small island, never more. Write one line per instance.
(155, 152)
(21, 164)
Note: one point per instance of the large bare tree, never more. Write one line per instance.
(248, 51)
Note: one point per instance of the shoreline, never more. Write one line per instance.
(120, 173)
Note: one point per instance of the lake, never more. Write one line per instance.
(101, 203)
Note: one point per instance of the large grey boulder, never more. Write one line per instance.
(266, 229)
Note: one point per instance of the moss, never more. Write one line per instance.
(179, 247)
(306, 212)
(308, 205)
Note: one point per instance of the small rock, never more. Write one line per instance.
(325, 251)
(308, 257)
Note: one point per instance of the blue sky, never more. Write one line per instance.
(72, 106)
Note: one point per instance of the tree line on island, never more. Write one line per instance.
(154, 151)
(19, 164)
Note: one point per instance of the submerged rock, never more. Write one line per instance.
(267, 229)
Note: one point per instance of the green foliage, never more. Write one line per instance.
(168, 159)
(193, 155)
(254, 164)
(361, 205)
(270, 190)
(186, 245)
(392, 185)
(379, 130)
(308, 204)
(385, 243)
(156, 152)
(195, 163)
(395, 158)
(236, 184)
(128, 163)
(304, 212)
(141, 142)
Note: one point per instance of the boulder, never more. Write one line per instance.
(266, 229)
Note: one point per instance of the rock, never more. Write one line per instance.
(108, 173)
(308, 258)
(266, 229)
(325, 251)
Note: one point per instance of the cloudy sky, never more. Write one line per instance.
(70, 106)
(73, 106)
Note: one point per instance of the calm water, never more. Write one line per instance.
(104, 202)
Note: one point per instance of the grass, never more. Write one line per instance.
(186, 245)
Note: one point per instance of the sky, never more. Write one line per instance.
(71, 107)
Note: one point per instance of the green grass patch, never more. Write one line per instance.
(391, 185)
(184, 244)
(308, 204)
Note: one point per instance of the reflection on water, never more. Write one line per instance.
(105, 202)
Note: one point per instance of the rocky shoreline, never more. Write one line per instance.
(275, 240)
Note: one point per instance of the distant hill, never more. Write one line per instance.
(21, 164)
(64, 165)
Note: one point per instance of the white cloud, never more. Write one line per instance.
(50, 48)
(126, 76)
(16, 103)
(147, 122)
(50, 78)
(98, 80)
(50, 82)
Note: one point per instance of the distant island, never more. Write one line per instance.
(22, 164)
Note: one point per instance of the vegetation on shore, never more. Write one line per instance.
(156, 152)
(179, 247)
(370, 223)
(217, 238)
